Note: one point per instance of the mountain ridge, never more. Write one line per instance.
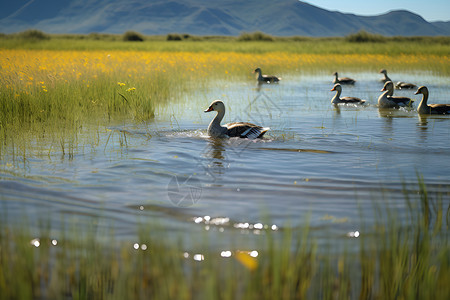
(199, 17)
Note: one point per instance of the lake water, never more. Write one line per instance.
(319, 165)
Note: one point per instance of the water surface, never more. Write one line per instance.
(319, 165)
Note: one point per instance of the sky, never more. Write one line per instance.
(430, 10)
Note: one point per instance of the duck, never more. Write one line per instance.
(235, 129)
(387, 100)
(386, 77)
(430, 109)
(266, 78)
(400, 84)
(404, 85)
(342, 80)
(344, 100)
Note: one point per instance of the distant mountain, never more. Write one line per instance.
(442, 25)
(200, 17)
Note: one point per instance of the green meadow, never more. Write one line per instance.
(358, 43)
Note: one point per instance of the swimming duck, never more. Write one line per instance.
(342, 80)
(387, 100)
(430, 109)
(400, 84)
(235, 129)
(265, 78)
(344, 100)
(404, 85)
(386, 77)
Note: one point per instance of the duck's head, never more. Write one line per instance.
(387, 86)
(422, 90)
(216, 105)
(257, 70)
(335, 74)
(336, 87)
(383, 71)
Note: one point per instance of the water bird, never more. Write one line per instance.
(235, 129)
(387, 100)
(430, 109)
(344, 100)
(404, 85)
(266, 78)
(342, 80)
(400, 84)
(386, 77)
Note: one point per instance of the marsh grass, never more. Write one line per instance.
(47, 97)
(406, 259)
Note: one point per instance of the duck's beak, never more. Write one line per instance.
(417, 92)
(209, 109)
(383, 89)
(333, 89)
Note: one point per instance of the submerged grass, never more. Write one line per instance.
(395, 260)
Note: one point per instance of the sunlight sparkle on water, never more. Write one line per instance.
(35, 242)
(199, 257)
(258, 226)
(143, 247)
(226, 253)
(353, 234)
